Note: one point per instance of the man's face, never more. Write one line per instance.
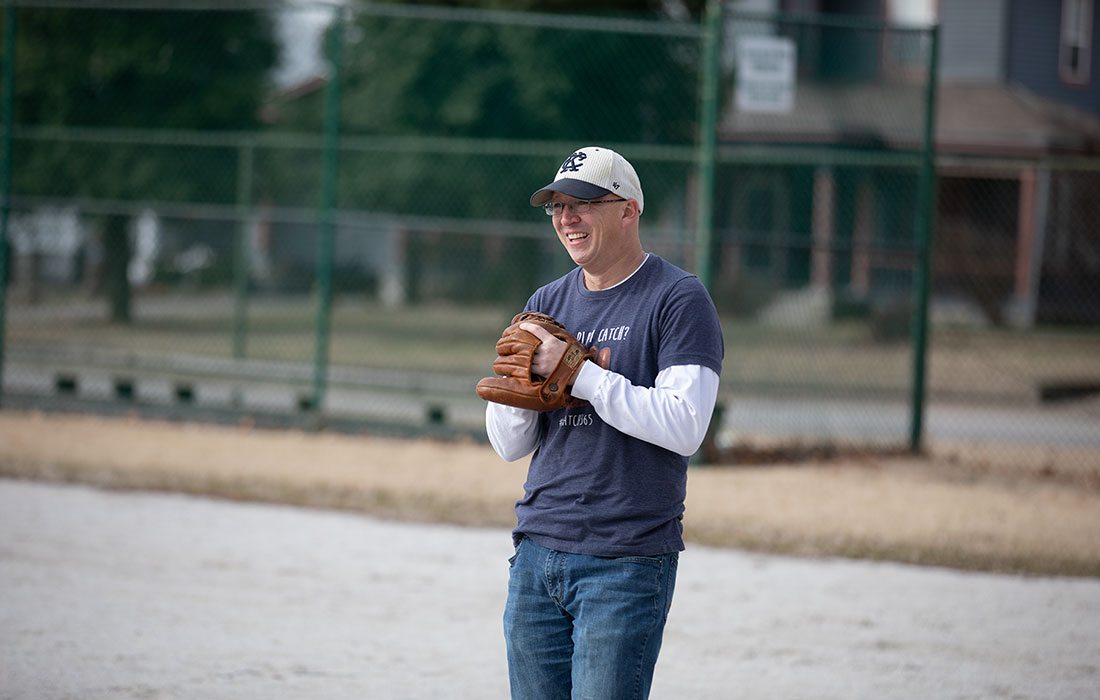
(594, 238)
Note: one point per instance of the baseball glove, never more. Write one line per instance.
(517, 386)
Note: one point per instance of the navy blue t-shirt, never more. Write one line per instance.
(592, 489)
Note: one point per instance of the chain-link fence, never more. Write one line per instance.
(198, 226)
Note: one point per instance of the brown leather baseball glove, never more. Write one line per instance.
(515, 384)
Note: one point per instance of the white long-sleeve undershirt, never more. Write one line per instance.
(674, 414)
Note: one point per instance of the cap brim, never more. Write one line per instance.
(568, 186)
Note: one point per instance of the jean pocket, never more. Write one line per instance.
(649, 561)
(512, 559)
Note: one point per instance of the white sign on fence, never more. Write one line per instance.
(765, 74)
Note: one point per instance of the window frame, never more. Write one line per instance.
(1075, 42)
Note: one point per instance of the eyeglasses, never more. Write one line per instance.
(578, 207)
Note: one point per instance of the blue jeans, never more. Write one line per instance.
(579, 626)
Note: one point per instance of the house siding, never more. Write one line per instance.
(1034, 37)
(972, 38)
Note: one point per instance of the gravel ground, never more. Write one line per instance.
(136, 595)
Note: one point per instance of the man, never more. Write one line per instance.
(599, 528)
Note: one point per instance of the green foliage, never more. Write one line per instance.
(414, 79)
(427, 101)
(136, 70)
(177, 70)
(130, 70)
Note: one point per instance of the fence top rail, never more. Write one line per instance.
(178, 5)
(593, 23)
(544, 20)
(666, 26)
(356, 219)
(832, 21)
(348, 142)
(731, 153)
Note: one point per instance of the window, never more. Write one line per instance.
(1075, 50)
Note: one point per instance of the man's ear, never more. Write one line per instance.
(630, 211)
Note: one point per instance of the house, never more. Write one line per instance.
(829, 201)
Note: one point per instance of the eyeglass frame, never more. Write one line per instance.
(556, 208)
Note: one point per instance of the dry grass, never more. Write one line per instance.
(901, 509)
(941, 511)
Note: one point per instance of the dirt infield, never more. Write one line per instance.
(111, 595)
(929, 511)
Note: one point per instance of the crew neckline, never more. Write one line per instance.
(615, 286)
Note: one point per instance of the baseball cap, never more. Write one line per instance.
(590, 173)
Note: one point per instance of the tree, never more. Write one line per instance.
(467, 79)
(418, 78)
(135, 70)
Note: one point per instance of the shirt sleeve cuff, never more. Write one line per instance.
(588, 381)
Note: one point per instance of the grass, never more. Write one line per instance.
(841, 359)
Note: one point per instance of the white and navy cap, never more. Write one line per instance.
(590, 173)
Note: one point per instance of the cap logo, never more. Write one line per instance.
(615, 185)
(573, 163)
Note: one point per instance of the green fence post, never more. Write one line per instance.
(924, 224)
(242, 267)
(7, 112)
(706, 154)
(328, 202)
(708, 140)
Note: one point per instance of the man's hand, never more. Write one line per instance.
(548, 353)
(537, 361)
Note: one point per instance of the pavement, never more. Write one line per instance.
(139, 595)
